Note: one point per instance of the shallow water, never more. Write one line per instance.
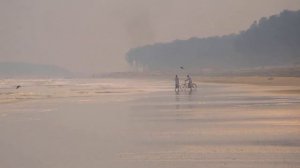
(35, 89)
(143, 123)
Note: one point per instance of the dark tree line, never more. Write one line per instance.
(270, 41)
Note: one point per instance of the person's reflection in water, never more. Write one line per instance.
(190, 92)
(177, 99)
(190, 99)
(176, 84)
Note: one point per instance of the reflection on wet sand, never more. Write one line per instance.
(211, 129)
(214, 126)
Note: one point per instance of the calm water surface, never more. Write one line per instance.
(75, 123)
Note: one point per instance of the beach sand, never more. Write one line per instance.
(217, 125)
(253, 80)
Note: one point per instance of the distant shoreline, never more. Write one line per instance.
(253, 80)
(270, 84)
(271, 80)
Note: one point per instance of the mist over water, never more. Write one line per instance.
(94, 36)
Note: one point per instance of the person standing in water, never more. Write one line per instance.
(176, 84)
(190, 82)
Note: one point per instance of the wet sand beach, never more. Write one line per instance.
(136, 124)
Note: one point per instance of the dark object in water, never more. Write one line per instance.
(18, 86)
(181, 67)
(270, 78)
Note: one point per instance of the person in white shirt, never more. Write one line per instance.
(190, 82)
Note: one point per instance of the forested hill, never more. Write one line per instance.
(272, 41)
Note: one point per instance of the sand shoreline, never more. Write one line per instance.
(273, 85)
(253, 80)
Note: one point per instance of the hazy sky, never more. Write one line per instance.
(94, 35)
